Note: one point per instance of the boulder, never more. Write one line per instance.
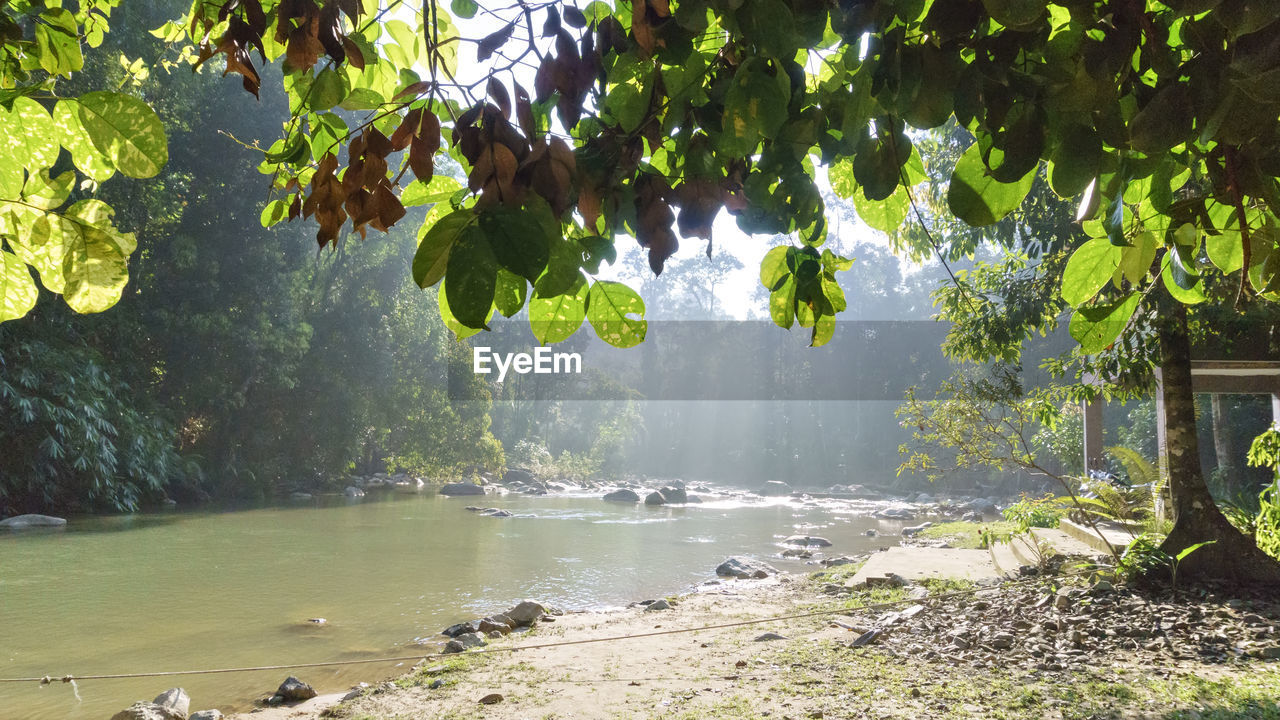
(20, 522)
(469, 640)
(837, 561)
(148, 711)
(973, 516)
(808, 541)
(453, 646)
(797, 553)
(657, 605)
(206, 715)
(744, 568)
(655, 498)
(675, 495)
(623, 495)
(294, 690)
(175, 699)
(774, 488)
(459, 489)
(518, 476)
(914, 530)
(353, 492)
(896, 513)
(766, 637)
(925, 499)
(493, 624)
(454, 631)
(526, 612)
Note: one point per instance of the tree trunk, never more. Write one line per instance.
(1222, 445)
(1233, 556)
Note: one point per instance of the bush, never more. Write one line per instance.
(74, 437)
(1029, 512)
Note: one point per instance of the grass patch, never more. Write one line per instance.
(961, 534)
(839, 682)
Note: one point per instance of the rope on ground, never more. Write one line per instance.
(48, 679)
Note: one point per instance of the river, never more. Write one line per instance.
(197, 590)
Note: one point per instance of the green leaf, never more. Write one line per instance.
(518, 240)
(556, 317)
(57, 38)
(440, 189)
(595, 250)
(1076, 161)
(1187, 551)
(755, 107)
(1097, 327)
(509, 296)
(125, 130)
(328, 89)
(473, 278)
(461, 331)
(617, 314)
(1018, 14)
(782, 303)
(1165, 121)
(72, 135)
(773, 268)
(96, 259)
(18, 291)
(823, 330)
(432, 258)
(977, 198)
(465, 9)
(1186, 289)
(48, 193)
(1135, 260)
(885, 215)
(1226, 251)
(273, 213)
(27, 137)
(1090, 267)
(842, 180)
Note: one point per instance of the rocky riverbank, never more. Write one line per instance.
(1057, 647)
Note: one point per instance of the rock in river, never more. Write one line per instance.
(148, 711)
(294, 690)
(206, 715)
(744, 568)
(456, 489)
(808, 541)
(623, 495)
(353, 492)
(20, 522)
(774, 488)
(527, 612)
(175, 699)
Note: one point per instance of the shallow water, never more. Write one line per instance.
(186, 591)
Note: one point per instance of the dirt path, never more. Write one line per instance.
(809, 673)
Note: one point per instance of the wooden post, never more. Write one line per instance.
(1092, 411)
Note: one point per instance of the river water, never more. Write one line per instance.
(183, 591)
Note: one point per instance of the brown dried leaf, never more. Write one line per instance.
(498, 93)
(699, 202)
(490, 43)
(524, 113)
(355, 56)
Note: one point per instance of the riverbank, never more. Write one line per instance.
(1013, 651)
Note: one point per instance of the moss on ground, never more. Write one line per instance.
(962, 534)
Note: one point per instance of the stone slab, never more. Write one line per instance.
(923, 563)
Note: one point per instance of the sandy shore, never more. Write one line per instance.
(637, 677)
